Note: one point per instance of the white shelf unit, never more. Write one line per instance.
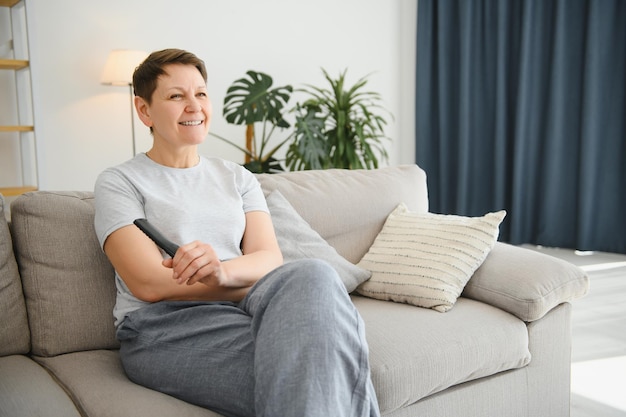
(18, 151)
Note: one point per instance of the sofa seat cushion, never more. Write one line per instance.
(27, 390)
(416, 352)
(99, 386)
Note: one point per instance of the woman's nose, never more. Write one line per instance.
(193, 106)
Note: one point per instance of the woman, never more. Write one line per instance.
(223, 324)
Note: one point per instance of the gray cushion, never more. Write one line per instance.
(27, 390)
(100, 387)
(68, 282)
(416, 352)
(525, 283)
(297, 241)
(14, 337)
(348, 207)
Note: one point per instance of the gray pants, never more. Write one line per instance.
(295, 346)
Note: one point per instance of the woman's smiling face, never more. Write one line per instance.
(180, 110)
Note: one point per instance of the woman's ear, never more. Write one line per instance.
(143, 111)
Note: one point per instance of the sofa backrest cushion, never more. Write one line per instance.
(68, 282)
(348, 207)
(14, 337)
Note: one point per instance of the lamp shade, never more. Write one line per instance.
(120, 66)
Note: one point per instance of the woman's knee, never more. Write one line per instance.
(314, 274)
(298, 285)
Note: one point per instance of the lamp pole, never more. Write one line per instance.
(118, 71)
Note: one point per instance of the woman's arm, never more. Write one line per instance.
(150, 278)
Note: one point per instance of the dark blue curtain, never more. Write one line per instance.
(521, 106)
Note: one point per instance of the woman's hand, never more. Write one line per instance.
(197, 262)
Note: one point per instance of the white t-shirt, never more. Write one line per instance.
(206, 202)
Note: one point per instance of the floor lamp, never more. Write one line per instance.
(118, 71)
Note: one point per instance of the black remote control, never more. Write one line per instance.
(168, 246)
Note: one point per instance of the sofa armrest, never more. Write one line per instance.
(525, 283)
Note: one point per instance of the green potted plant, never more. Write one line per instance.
(251, 101)
(338, 127)
(334, 128)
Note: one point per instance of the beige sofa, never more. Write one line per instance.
(502, 350)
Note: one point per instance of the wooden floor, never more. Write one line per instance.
(598, 335)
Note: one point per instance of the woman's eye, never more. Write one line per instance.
(202, 94)
(175, 96)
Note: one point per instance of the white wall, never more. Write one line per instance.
(84, 127)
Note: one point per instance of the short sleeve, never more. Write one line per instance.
(117, 204)
(251, 192)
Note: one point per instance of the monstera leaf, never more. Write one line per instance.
(312, 149)
(267, 166)
(251, 99)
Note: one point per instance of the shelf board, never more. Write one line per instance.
(16, 128)
(13, 64)
(8, 3)
(14, 191)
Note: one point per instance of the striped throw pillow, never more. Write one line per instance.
(425, 259)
